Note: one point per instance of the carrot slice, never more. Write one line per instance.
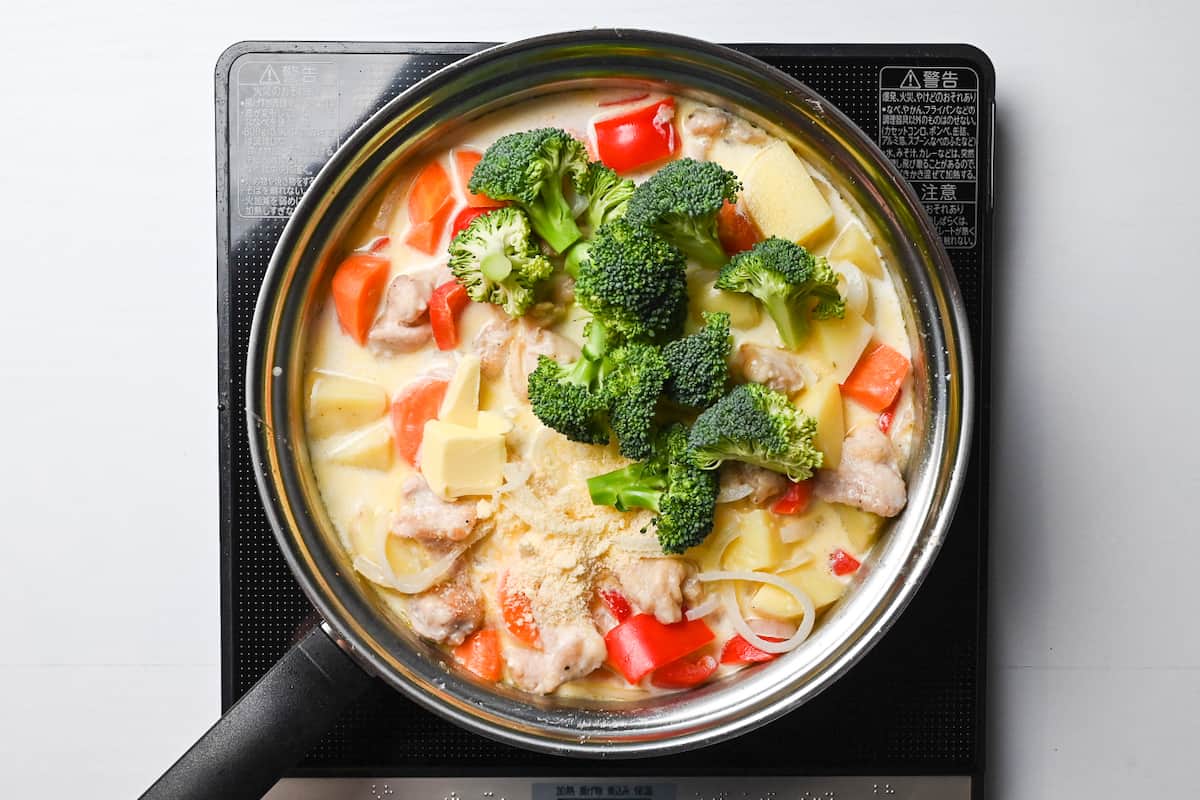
(518, 615)
(418, 403)
(427, 236)
(736, 230)
(356, 288)
(465, 160)
(877, 377)
(480, 654)
(429, 192)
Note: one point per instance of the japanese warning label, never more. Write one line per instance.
(285, 127)
(929, 126)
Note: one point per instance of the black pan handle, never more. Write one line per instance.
(270, 729)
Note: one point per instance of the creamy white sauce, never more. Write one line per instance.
(347, 490)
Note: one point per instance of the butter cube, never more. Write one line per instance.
(460, 406)
(369, 447)
(458, 461)
(841, 342)
(337, 404)
(853, 245)
(493, 422)
(782, 197)
(823, 402)
(758, 547)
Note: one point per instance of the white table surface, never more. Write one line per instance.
(108, 473)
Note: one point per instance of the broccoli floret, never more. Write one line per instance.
(634, 281)
(681, 202)
(497, 261)
(610, 385)
(569, 397)
(697, 363)
(668, 483)
(791, 283)
(529, 168)
(633, 382)
(607, 193)
(759, 426)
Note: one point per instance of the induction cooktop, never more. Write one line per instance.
(907, 721)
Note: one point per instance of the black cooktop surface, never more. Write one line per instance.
(914, 705)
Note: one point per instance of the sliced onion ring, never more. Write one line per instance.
(775, 628)
(414, 583)
(739, 622)
(731, 492)
(710, 604)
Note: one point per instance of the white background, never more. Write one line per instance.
(108, 464)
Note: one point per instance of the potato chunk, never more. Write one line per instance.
(841, 342)
(814, 579)
(853, 245)
(337, 405)
(782, 198)
(369, 447)
(823, 402)
(758, 547)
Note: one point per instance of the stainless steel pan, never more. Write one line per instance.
(277, 721)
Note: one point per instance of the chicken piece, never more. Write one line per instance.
(449, 612)
(403, 326)
(529, 343)
(702, 126)
(867, 476)
(491, 344)
(771, 366)
(658, 586)
(741, 131)
(706, 121)
(739, 479)
(428, 518)
(567, 652)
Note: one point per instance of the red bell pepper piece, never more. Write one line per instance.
(620, 101)
(616, 604)
(445, 305)
(888, 415)
(877, 377)
(842, 563)
(378, 244)
(795, 499)
(464, 217)
(738, 651)
(417, 404)
(628, 141)
(684, 673)
(642, 644)
(480, 654)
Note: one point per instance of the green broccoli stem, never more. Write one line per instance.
(576, 256)
(630, 487)
(703, 249)
(551, 217)
(595, 346)
(791, 321)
